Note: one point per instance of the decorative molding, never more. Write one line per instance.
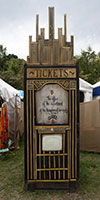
(38, 84)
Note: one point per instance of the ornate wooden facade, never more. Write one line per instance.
(51, 111)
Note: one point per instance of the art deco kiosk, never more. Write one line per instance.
(51, 111)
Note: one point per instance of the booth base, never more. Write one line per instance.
(69, 186)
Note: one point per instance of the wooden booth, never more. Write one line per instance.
(51, 111)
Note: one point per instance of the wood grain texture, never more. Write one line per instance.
(51, 51)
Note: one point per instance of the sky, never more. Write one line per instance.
(18, 21)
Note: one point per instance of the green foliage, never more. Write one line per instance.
(89, 66)
(3, 58)
(11, 68)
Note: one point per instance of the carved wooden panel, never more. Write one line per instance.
(51, 51)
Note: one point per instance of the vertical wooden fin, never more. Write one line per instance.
(51, 23)
(60, 36)
(59, 33)
(51, 51)
(72, 42)
(30, 42)
(37, 27)
(42, 33)
(65, 27)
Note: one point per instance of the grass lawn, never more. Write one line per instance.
(12, 179)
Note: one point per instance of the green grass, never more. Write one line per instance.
(12, 179)
(90, 174)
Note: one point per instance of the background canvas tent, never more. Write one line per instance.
(90, 126)
(96, 90)
(15, 110)
(86, 91)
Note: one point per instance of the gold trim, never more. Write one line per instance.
(43, 165)
(61, 154)
(30, 181)
(73, 134)
(67, 127)
(69, 173)
(68, 142)
(76, 134)
(73, 179)
(33, 140)
(39, 84)
(51, 133)
(40, 156)
(49, 164)
(59, 165)
(30, 139)
(34, 143)
(64, 84)
(27, 136)
(35, 154)
(54, 73)
(54, 166)
(69, 109)
(52, 169)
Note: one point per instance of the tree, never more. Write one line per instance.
(89, 66)
(11, 69)
(3, 58)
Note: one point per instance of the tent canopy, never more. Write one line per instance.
(85, 86)
(7, 91)
(96, 90)
(87, 89)
(96, 84)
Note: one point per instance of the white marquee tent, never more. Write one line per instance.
(7, 92)
(87, 90)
